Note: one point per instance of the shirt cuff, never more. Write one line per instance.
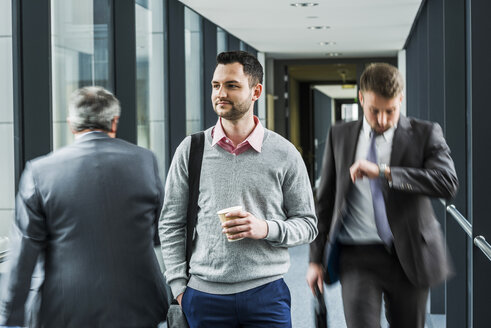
(273, 231)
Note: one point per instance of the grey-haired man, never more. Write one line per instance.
(88, 212)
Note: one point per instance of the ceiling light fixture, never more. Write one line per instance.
(333, 54)
(327, 43)
(319, 27)
(304, 4)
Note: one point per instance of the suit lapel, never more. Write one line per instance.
(401, 136)
(352, 141)
(349, 142)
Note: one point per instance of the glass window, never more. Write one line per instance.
(222, 41)
(81, 47)
(151, 78)
(261, 102)
(194, 72)
(7, 187)
(242, 46)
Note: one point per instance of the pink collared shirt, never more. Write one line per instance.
(254, 140)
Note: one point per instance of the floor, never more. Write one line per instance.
(302, 299)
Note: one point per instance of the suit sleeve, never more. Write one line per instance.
(437, 177)
(172, 224)
(325, 201)
(27, 241)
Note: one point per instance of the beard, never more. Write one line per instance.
(236, 112)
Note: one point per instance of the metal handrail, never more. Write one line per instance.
(479, 241)
(461, 220)
(483, 245)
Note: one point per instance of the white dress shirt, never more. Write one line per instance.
(359, 222)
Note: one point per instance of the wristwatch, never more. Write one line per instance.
(382, 168)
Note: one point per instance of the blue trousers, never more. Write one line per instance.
(267, 306)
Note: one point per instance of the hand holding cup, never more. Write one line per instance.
(238, 224)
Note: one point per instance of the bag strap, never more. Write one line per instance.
(194, 173)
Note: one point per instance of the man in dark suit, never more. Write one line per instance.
(373, 201)
(87, 213)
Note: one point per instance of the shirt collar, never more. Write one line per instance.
(255, 139)
(80, 135)
(388, 135)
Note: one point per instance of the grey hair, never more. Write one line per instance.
(92, 108)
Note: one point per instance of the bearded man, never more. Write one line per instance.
(237, 284)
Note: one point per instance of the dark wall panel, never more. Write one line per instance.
(435, 66)
(125, 67)
(415, 55)
(481, 157)
(455, 133)
(422, 101)
(436, 113)
(411, 76)
(177, 75)
(209, 62)
(233, 43)
(32, 86)
(435, 62)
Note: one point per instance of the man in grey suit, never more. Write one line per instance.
(87, 213)
(374, 203)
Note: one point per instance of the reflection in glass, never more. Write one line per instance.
(194, 75)
(80, 55)
(7, 189)
(222, 41)
(242, 46)
(151, 82)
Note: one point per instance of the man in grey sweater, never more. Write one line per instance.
(234, 284)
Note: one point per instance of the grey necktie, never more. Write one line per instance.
(380, 213)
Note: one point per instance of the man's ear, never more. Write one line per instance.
(114, 127)
(70, 126)
(360, 97)
(258, 89)
(114, 124)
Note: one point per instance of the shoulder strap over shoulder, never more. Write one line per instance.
(194, 173)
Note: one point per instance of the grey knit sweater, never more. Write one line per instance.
(272, 185)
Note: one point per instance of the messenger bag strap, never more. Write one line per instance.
(194, 173)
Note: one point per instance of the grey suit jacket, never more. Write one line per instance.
(88, 212)
(421, 167)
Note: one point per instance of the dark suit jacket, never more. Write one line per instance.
(89, 211)
(421, 167)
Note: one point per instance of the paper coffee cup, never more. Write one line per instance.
(223, 218)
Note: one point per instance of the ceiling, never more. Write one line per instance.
(355, 28)
(338, 91)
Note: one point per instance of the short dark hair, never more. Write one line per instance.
(382, 79)
(251, 66)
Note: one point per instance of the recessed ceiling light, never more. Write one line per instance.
(304, 4)
(327, 43)
(333, 54)
(319, 27)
